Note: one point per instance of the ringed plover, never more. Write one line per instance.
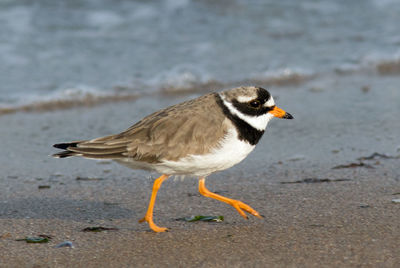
(196, 138)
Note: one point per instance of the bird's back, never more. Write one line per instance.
(189, 128)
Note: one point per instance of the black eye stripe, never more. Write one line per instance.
(251, 107)
(255, 103)
(249, 110)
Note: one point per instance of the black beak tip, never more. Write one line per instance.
(288, 116)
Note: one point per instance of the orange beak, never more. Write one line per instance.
(278, 112)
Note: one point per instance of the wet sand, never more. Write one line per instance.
(316, 215)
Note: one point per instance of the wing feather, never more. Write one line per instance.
(191, 127)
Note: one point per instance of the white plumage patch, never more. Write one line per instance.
(245, 98)
(270, 102)
(230, 151)
(258, 122)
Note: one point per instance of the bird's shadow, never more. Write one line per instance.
(65, 209)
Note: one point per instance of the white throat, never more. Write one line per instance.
(258, 122)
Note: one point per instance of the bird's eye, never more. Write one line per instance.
(255, 103)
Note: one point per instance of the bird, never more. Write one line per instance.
(194, 138)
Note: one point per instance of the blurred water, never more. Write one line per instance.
(55, 49)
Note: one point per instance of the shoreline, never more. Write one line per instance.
(282, 79)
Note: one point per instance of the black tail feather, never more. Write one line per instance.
(65, 146)
(64, 154)
(89, 150)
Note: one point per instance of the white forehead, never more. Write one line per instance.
(270, 102)
(245, 98)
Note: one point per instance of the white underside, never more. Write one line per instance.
(230, 151)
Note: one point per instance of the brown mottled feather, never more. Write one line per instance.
(171, 133)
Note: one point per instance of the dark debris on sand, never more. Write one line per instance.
(314, 180)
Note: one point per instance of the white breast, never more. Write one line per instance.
(230, 151)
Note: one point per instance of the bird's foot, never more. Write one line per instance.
(240, 206)
(152, 225)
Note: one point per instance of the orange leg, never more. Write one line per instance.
(149, 214)
(238, 205)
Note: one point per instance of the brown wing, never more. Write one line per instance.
(191, 127)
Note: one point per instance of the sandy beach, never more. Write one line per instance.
(326, 182)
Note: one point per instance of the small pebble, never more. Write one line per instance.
(396, 200)
(65, 244)
(365, 89)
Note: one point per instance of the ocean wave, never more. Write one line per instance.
(391, 67)
(383, 64)
(185, 79)
(373, 63)
(348, 68)
(181, 78)
(65, 99)
(177, 81)
(283, 77)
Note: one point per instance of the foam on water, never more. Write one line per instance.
(284, 76)
(179, 77)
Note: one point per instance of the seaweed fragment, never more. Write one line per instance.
(88, 179)
(36, 239)
(98, 229)
(314, 180)
(353, 165)
(377, 155)
(202, 218)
